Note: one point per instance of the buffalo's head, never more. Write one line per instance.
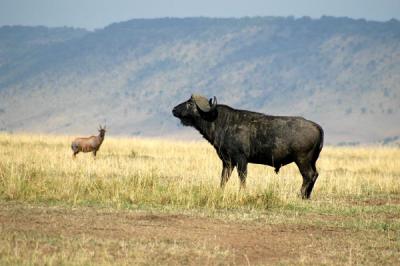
(197, 107)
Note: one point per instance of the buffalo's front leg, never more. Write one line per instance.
(226, 173)
(242, 172)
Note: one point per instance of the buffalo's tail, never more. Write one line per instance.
(321, 133)
(319, 145)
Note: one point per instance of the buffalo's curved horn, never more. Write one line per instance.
(213, 103)
(201, 102)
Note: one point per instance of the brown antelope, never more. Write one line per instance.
(90, 144)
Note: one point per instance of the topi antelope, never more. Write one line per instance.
(90, 144)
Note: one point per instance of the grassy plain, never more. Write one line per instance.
(149, 201)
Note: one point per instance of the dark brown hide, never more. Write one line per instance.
(241, 137)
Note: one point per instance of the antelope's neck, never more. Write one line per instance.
(101, 138)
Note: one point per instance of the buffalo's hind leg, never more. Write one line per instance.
(227, 169)
(314, 179)
(310, 175)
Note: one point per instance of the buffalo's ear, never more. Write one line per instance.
(212, 112)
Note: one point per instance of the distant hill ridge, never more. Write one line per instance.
(340, 72)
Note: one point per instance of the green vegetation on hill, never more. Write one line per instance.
(340, 72)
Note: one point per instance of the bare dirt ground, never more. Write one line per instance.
(180, 239)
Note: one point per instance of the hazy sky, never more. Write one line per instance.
(93, 14)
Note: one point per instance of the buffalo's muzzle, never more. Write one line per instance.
(174, 112)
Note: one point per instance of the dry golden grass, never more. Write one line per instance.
(38, 168)
(357, 195)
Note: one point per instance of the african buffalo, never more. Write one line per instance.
(240, 137)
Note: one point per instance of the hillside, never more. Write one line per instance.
(339, 72)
